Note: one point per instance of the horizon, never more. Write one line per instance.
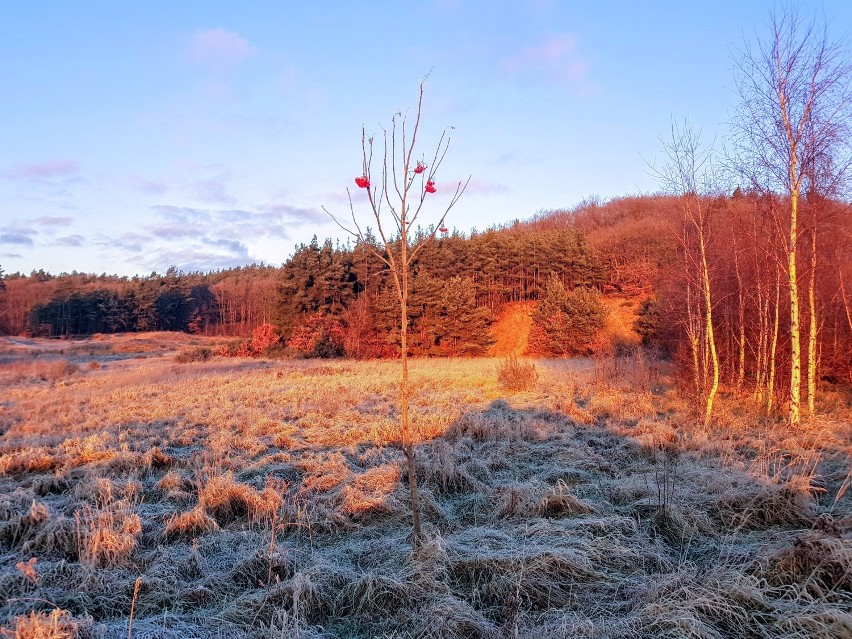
(210, 138)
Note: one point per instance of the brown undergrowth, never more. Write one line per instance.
(251, 498)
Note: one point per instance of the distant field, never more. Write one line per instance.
(144, 497)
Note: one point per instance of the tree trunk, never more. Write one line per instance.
(741, 321)
(795, 339)
(407, 439)
(812, 325)
(708, 322)
(770, 385)
(762, 341)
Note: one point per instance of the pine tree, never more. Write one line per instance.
(566, 322)
(462, 328)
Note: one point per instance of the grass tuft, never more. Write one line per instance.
(197, 354)
(57, 624)
(514, 375)
(190, 524)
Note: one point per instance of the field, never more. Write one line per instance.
(148, 495)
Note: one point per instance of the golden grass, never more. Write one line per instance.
(253, 498)
(57, 624)
(190, 524)
(107, 534)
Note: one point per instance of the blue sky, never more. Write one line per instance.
(136, 136)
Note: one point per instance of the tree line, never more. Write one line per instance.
(230, 302)
(340, 294)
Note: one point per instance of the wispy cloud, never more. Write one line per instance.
(235, 247)
(18, 238)
(130, 242)
(213, 190)
(70, 240)
(204, 239)
(144, 185)
(177, 231)
(48, 220)
(292, 214)
(220, 49)
(483, 187)
(192, 259)
(44, 170)
(555, 59)
(269, 220)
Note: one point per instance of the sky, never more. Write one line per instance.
(207, 135)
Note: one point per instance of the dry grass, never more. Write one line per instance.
(107, 534)
(196, 354)
(57, 624)
(252, 498)
(515, 375)
(190, 524)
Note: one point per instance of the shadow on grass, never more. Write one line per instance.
(538, 523)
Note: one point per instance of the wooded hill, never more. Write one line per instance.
(459, 281)
(336, 299)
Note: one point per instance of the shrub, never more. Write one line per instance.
(647, 323)
(54, 371)
(319, 336)
(264, 337)
(229, 349)
(264, 340)
(190, 524)
(514, 375)
(197, 354)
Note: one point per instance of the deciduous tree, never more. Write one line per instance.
(796, 103)
(396, 192)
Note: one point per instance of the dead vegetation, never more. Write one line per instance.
(515, 375)
(266, 499)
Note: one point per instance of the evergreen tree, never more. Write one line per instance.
(462, 327)
(566, 322)
(647, 324)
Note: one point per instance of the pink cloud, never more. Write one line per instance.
(547, 53)
(70, 240)
(555, 58)
(484, 187)
(177, 230)
(145, 185)
(220, 48)
(45, 170)
(48, 220)
(213, 190)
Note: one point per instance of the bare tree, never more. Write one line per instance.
(396, 195)
(688, 174)
(795, 96)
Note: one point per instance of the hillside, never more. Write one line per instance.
(511, 329)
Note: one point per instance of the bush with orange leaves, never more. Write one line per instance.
(319, 336)
(263, 339)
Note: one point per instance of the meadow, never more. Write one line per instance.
(149, 492)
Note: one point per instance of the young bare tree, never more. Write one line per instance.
(687, 173)
(396, 195)
(795, 96)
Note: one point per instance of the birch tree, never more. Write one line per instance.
(795, 98)
(688, 174)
